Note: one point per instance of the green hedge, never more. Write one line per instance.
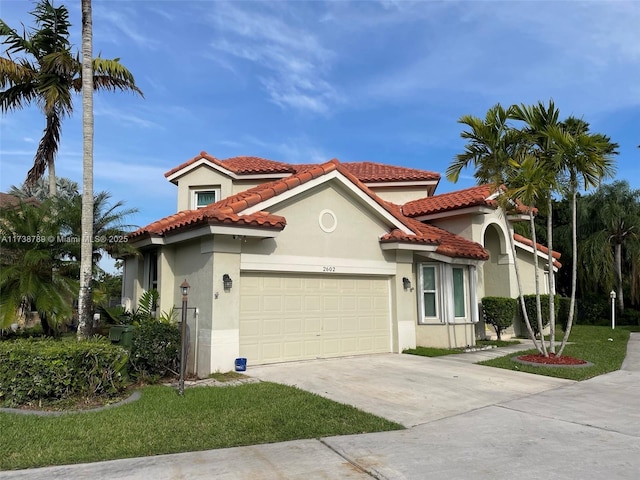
(155, 350)
(46, 369)
(499, 312)
(530, 304)
(563, 312)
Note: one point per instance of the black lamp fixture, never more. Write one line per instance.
(227, 283)
(406, 283)
(184, 288)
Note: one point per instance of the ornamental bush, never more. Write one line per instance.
(155, 350)
(530, 304)
(499, 312)
(46, 369)
(563, 312)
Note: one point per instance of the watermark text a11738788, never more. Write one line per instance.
(49, 239)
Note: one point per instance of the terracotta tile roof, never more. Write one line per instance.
(207, 216)
(239, 165)
(229, 210)
(253, 165)
(527, 241)
(8, 200)
(449, 244)
(368, 172)
(445, 202)
(468, 197)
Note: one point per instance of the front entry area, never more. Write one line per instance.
(286, 317)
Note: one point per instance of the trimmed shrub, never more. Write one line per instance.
(155, 350)
(630, 317)
(46, 369)
(594, 310)
(499, 312)
(530, 305)
(563, 312)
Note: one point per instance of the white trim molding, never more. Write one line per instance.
(323, 265)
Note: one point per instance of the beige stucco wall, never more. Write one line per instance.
(199, 178)
(446, 336)
(132, 281)
(193, 262)
(356, 235)
(401, 195)
(403, 303)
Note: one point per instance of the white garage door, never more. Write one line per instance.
(296, 317)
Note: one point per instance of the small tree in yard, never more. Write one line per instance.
(499, 312)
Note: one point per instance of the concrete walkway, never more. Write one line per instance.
(586, 430)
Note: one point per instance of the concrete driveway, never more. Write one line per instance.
(408, 389)
(501, 425)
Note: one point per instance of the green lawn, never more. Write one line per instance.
(162, 422)
(589, 343)
(430, 351)
(439, 352)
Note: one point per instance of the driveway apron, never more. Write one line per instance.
(408, 389)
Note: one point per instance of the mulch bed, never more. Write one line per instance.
(551, 361)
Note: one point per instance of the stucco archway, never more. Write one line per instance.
(495, 273)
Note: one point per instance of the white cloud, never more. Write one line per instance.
(124, 117)
(112, 23)
(293, 62)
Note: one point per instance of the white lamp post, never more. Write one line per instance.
(612, 296)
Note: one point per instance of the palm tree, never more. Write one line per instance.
(35, 273)
(527, 185)
(109, 225)
(538, 120)
(87, 230)
(586, 159)
(46, 72)
(611, 227)
(491, 146)
(65, 188)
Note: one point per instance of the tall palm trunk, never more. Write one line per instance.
(574, 269)
(86, 252)
(617, 248)
(52, 178)
(552, 280)
(523, 307)
(534, 239)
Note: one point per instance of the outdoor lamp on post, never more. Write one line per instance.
(184, 288)
(612, 296)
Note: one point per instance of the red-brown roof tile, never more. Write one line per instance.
(527, 241)
(255, 165)
(9, 200)
(444, 202)
(206, 216)
(229, 210)
(368, 172)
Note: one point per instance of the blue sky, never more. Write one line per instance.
(300, 82)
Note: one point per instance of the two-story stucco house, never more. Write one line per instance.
(324, 260)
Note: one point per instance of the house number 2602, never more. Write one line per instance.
(328, 269)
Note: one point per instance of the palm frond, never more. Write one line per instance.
(47, 148)
(15, 41)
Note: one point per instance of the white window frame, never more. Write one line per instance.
(151, 273)
(438, 318)
(466, 290)
(445, 300)
(196, 191)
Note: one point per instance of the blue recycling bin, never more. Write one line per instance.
(241, 364)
